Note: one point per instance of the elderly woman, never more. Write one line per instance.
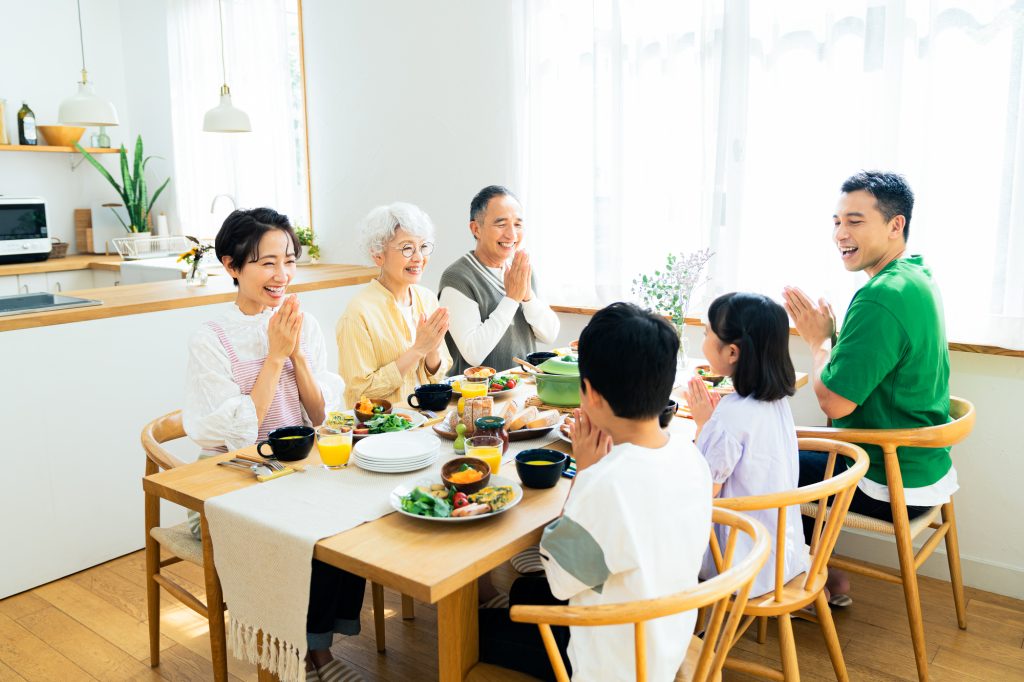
(391, 336)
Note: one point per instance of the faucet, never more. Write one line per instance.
(213, 204)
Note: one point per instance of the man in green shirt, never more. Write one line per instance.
(890, 366)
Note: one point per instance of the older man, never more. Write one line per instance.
(890, 365)
(490, 292)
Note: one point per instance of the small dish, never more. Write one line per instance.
(453, 465)
(707, 374)
(367, 416)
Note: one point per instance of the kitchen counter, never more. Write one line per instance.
(171, 295)
(78, 262)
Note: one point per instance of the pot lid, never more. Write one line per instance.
(567, 365)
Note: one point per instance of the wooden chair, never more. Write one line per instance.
(962, 416)
(808, 587)
(704, 657)
(180, 542)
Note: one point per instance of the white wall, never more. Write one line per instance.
(126, 56)
(408, 101)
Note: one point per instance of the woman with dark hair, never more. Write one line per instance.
(261, 366)
(748, 437)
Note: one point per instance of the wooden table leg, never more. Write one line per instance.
(458, 646)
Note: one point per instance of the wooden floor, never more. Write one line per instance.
(92, 626)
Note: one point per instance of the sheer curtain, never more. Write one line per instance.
(265, 167)
(666, 126)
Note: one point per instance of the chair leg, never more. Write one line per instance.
(152, 588)
(408, 608)
(828, 631)
(956, 577)
(911, 594)
(377, 591)
(787, 647)
(762, 629)
(214, 608)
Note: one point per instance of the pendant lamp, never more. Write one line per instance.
(225, 117)
(85, 108)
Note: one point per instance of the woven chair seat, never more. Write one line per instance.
(180, 542)
(877, 525)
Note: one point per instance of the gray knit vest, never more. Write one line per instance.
(472, 279)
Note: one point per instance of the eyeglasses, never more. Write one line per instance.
(426, 248)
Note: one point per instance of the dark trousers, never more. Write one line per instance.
(335, 600)
(518, 646)
(812, 470)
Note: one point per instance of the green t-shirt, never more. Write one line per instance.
(892, 360)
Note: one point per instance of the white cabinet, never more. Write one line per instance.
(33, 283)
(69, 280)
(8, 285)
(105, 278)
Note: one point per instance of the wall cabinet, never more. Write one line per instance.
(69, 280)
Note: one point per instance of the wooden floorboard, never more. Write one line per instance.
(92, 626)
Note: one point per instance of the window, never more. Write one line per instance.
(656, 126)
(266, 167)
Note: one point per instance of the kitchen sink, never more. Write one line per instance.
(39, 302)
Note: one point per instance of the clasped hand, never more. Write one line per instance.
(285, 329)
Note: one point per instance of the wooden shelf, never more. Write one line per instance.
(50, 148)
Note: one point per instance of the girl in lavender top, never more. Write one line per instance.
(748, 437)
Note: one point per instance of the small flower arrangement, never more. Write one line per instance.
(668, 291)
(194, 256)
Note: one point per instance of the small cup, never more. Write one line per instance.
(434, 397)
(335, 446)
(665, 418)
(534, 475)
(288, 444)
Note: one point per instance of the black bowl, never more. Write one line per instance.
(541, 475)
(665, 418)
(539, 357)
(289, 444)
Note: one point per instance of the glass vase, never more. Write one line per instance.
(196, 278)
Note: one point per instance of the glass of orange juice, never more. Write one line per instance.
(487, 448)
(472, 387)
(334, 445)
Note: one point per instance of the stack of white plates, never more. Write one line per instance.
(397, 452)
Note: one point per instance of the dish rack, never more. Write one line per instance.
(136, 248)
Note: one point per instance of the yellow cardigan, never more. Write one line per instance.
(372, 333)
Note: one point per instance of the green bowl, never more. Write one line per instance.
(559, 390)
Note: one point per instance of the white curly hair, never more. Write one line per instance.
(379, 226)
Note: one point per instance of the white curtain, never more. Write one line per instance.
(659, 125)
(265, 167)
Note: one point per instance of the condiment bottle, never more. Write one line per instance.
(27, 126)
(493, 426)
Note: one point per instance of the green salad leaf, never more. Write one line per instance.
(423, 504)
(386, 423)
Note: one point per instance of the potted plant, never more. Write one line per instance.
(668, 292)
(308, 239)
(133, 190)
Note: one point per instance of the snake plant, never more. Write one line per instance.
(133, 191)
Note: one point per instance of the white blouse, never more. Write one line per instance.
(216, 412)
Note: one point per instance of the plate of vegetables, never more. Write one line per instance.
(501, 385)
(399, 419)
(435, 502)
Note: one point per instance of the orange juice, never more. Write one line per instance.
(474, 389)
(487, 448)
(335, 448)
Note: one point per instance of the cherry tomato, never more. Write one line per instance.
(511, 383)
(460, 500)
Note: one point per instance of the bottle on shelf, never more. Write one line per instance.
(3, 122)
(101, 139)
(27, 126)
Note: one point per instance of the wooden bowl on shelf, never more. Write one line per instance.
(61, 136)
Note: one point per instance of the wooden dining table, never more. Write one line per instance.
(433, 562)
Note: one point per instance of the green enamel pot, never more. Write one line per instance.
(562, 390)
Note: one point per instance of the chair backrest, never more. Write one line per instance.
(735, 579)
(159, 431)
(961, 415)
(828, 521)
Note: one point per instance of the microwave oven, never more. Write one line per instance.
(23, 235)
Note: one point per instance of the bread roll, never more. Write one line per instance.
(510, 409)
(520, 420)
(545, 418)
(474, 409)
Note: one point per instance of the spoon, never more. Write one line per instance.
(527, 365)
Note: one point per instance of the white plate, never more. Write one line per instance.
(414, 417)
(401, 491)
(501, 395)
(396, 469)
(399, 446)
(558, 432)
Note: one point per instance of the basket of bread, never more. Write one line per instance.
(521, 423)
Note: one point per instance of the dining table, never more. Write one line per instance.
(432, 562)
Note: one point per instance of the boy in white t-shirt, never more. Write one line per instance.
(636, 522)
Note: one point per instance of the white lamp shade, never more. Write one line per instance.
(84, 108)
(225, 118)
